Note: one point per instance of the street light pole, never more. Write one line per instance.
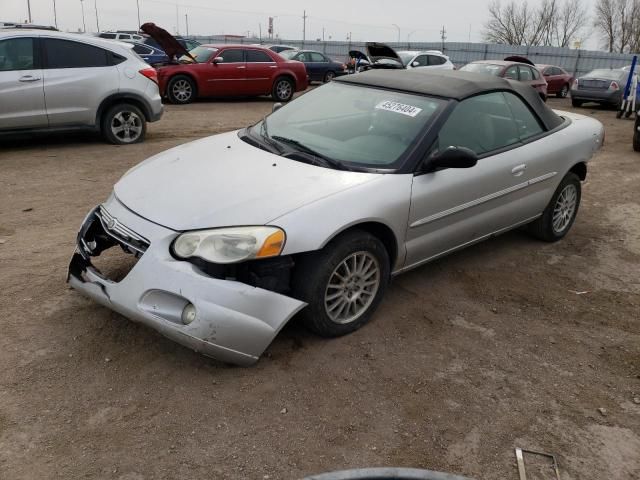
(409, 38)
(95, 4)
(84, 25)
(138, 6)
(29, 10)
(398, 31)
(55, 14)
(186, 21)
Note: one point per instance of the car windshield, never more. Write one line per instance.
(288, 54)
(406, 57)
(606, 74)
(490, 68)
(354, 125)
(201, 54)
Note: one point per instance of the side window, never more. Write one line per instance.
(536, 73)
(233, 55)
(124, 37)
(512, 72)
(317, 57)
(483, 123)
(257, 56)
(558, 71)
(422, 60)
(527, 123)
(302, 57)
(142, 50)
(526, 75)
(108, 35)
(16, 54)
(436, 60)
(70, 54)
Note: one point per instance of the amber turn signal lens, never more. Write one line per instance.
(272, 246)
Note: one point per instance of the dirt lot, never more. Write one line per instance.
(467, 358)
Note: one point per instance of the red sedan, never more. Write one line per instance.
(558, 80)
(513, 70)
(232, 70)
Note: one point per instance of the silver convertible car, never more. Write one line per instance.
(314, 209)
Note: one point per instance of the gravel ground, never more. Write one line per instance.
(467, 358)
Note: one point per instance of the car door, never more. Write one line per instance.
(420, 61)
(261, 69)
(551, 76)
(451, 208)
(21, 85)
(77, 77)
(322, 64)
(226, 74)
(314, 68)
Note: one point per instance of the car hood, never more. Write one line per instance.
(223, 181)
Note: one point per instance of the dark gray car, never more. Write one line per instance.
(602, 86)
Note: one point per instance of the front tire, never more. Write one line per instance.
(181, 90)
(558, 217)
(283, 89)
(342, 284)
(123, 124)
(576, 103)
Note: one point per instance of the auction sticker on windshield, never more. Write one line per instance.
(401, 108)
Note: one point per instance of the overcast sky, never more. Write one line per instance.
(422, 20)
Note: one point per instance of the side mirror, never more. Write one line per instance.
(276, 106)
(452, 157)
(415, 64)
(218, 60)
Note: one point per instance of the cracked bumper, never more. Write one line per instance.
(234, 322)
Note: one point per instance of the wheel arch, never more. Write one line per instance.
(379, 230)
(580, 169)
(116, 98)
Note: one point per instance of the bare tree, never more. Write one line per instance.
(606, 21)
(553, 22)
(618, 24)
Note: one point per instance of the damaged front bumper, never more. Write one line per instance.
(234, 322)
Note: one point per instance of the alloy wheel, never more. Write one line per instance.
(565, 208)
(284, 90)
(182, 90)
(352, 287)
(126, 126)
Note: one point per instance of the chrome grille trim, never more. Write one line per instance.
(121, 233)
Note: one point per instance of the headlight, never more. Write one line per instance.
(230, 245)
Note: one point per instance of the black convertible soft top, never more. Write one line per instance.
(453, 84)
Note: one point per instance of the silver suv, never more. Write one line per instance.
(53, 81)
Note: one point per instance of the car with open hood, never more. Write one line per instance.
(313, 209)
(512, 68)
(377, 56)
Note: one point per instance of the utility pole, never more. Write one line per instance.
(138, 5)
(443, 36)
(84, 25)
(398, 31)
(177, 21)
(186, 22)
(55, 14)
(323, 34)
(304, 27)
(29, 10)
(260, 30)
(95, 4)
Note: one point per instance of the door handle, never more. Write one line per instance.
(273, 66)
(28, 78)
(241, 68)
(519, 170)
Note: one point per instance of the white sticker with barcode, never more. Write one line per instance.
(401, 108)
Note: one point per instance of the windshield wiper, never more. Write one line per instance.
(264, 133)
(304, 149)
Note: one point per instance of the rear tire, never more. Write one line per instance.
(123, 124)
(342, 284)
(329, 76)
(283, 89)
(181, 90)
(636, 135)
(576, 103)
(558, 217)
(563, 92)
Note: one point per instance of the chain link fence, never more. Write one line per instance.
(576, 62)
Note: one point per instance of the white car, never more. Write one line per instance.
(428, 59)
(122, 37)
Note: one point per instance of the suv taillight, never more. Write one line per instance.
(150, 73)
